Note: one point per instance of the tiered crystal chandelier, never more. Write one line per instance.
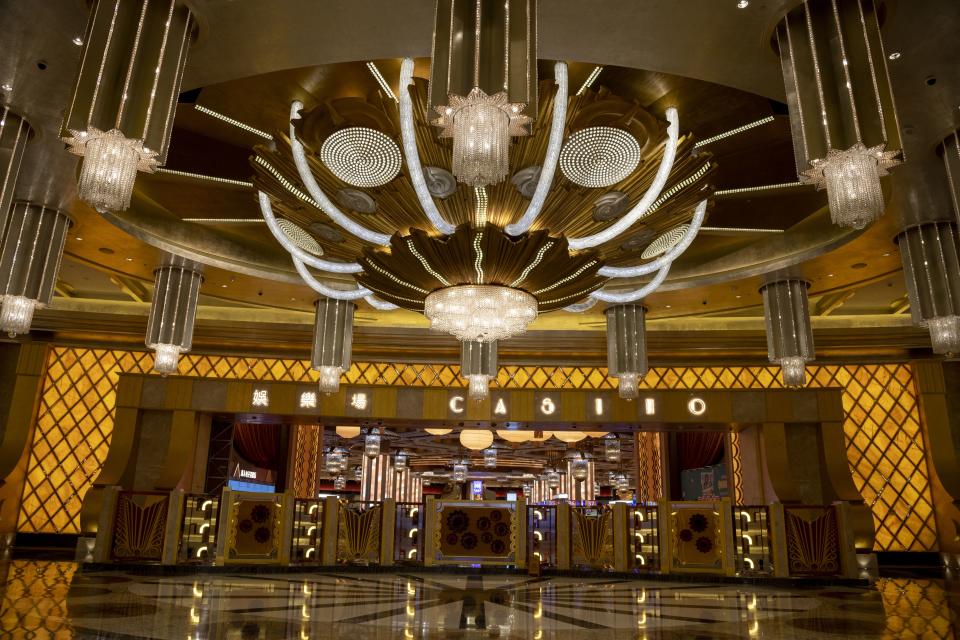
(845, 129)
(30, 255)
(332, 341)
(786, 310)
(627, 347)
(173, 311)
(483, 77)
(930, 254)
(478, 364)
(481, 313)
(120, 115)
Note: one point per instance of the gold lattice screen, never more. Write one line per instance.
(884, 441)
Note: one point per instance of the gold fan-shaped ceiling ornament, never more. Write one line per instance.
(419, 260)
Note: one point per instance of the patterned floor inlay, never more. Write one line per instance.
(50, 600)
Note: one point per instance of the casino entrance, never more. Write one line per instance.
(720, 482)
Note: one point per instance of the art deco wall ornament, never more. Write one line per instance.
(483, 81)
(786, 311)
(173, 311)
(332, 341)
(478, 364)
(14, 133)
(627, 347)
(120, 114)
(842, 113)
(930, 254)
(30, 253)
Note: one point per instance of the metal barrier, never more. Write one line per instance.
(542, 538)
(645, 538)
(199, 529)
(307, 531)
(408, 534)
(752, 544)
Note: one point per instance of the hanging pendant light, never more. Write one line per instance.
(371, 444)
(460, 471)
(14, 134)
(579, 468)
(845, 129)
(400, 461)
(478, 364)
(476, 439)
(627, 347)
(343, 457)
(930, 254)
(553, 479)
(611, 448)
(120, 114)
(786, 311)
(333, 462)
(173, 311)
(332, 341)
(339, 483)
(490, 458)
(30, 255)
(483, 77)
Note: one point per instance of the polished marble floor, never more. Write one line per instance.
(51, 600)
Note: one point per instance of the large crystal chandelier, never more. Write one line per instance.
(930, 254)
(627, 347)
(480, 312)
(30, 255)
(332, 341)
(478, 363)
(173, 311)
(845, 130)
(482, 77)
(120, 115)
(789, 336)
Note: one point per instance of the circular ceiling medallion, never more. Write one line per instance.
(440, 182)
(664, 242)
(634, 242)
(526, 180)
(326, 232)
(361, 157)
(356, 201)
(610, 205)
(599, 156)
(299, 237)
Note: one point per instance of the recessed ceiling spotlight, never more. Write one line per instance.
(743, 4)
(78, 41)
(667, 306)
(78, 238)
(6, 86)
(129, 259)
(894, 55)
(223, 286)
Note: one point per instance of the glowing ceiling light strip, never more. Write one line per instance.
(552, 157)
(733, 132)
(567, 279)
(741, 230)
(640, 209)
(231, 121)
(675, 189)
(533, 264)
(765, 187)
(286, 184)
(426, 265)
(225, 220)
(699, 215)
(375, 72)
(206, 178)
(478, 261)
(480, 216)
(590, 80)
(380, 269)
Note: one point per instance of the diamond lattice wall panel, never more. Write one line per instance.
(884, 440)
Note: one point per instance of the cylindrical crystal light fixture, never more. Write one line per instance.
(400, 461)
(930, 254)
(553, 478)
(611, 448)
(789, 336)
(30, 255)
(627, 346)
(482, 78)
(460, 471)
(371, 444)
(332, 341)
(490, 458)
(173, 311)
(333, 461)
(478, 364)
(842, 114)
(950, 149)
(120, 113)
(14, 133)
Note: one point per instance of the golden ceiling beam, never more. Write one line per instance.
(831, 302)
(131, 287)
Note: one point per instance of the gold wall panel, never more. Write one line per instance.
(139, 526)
(35, 598)
(813, 541)
(885, 446)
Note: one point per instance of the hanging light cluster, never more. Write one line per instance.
(842, 113)
(930, 254)
(173, 311)
(627, 347)
(30, 255)
(332, 341)
(120, 114)
(483, 77)
(478, 364)
(786, 311)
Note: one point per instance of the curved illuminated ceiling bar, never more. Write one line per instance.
(638, 211)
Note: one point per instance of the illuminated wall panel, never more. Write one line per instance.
(884, 441)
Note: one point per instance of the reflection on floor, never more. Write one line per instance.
(49, 599)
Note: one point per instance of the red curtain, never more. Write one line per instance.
(699, 449)
(258, 444)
